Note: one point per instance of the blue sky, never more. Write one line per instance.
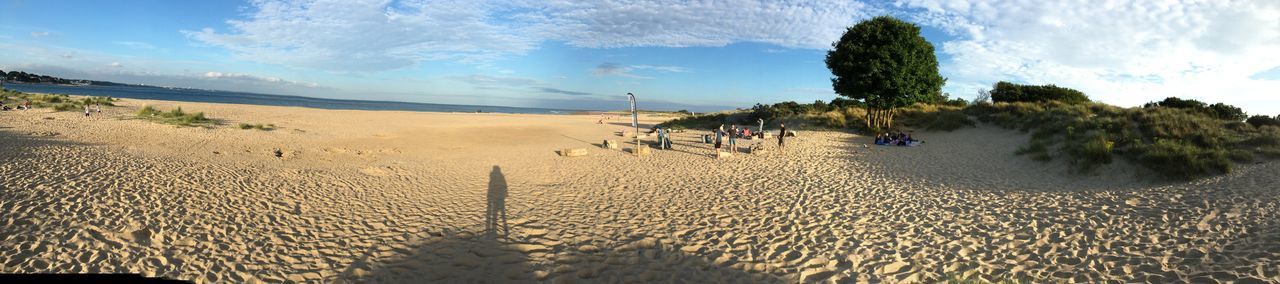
(701, 56)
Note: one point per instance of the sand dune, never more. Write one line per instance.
(385, 196)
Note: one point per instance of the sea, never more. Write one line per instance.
(210, 96)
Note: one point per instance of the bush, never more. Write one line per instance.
(1091, 153)
(1219, 110)
(1262, 120)
(1009, 92)
(1184, 161)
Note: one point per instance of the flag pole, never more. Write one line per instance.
(635, 121)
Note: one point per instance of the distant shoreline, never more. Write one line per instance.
(215, 96)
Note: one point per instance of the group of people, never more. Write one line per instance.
(899, 139)
(720, 137)
(97, 108)
(26, 105)
(664, 139)
(734, 133)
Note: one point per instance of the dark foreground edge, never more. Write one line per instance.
(82, 278)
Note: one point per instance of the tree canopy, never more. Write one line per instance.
(885, 63)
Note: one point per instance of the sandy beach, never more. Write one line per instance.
(413, 197)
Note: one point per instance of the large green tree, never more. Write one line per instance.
(885, 63)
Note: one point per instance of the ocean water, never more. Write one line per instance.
(206, 96)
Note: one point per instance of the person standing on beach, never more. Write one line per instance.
(782, 134)
(719, 136)
(662, 138)
(86, 110)
(733, 138)
(761, 129)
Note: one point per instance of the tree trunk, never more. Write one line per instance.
(889, 122)
(869, 118)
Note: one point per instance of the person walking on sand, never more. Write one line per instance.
(782, 134)
(86, 110)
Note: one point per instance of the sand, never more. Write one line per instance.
(387, 196)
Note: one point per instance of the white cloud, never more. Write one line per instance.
(672, 69)
(383, 35)
(135, 44)
(614, 69)
(1123, 53)
(39, 34)
(810, 24)
(116, 65)
(518, 84)
(368, 35)
(239, 77)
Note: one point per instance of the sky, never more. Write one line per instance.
(696, 55)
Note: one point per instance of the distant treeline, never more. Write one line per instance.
(24, 77)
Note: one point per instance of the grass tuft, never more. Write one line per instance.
(174, 117)
(257, 126)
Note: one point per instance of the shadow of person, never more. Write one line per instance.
(536, 252)
(496, 210)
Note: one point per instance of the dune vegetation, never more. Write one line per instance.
(175, 117)
(56, 102)
(258, 126)
(1174, 139)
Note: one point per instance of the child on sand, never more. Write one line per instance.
(781, 134)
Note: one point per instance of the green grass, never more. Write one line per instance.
(258, 126)
(174, 117)
(57, 102)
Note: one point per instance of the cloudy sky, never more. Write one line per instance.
(699, 55)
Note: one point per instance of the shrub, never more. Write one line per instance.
(1218, 110)
(1010, 92)
(1091, 153)
(1262, 120)
(1184, 161)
